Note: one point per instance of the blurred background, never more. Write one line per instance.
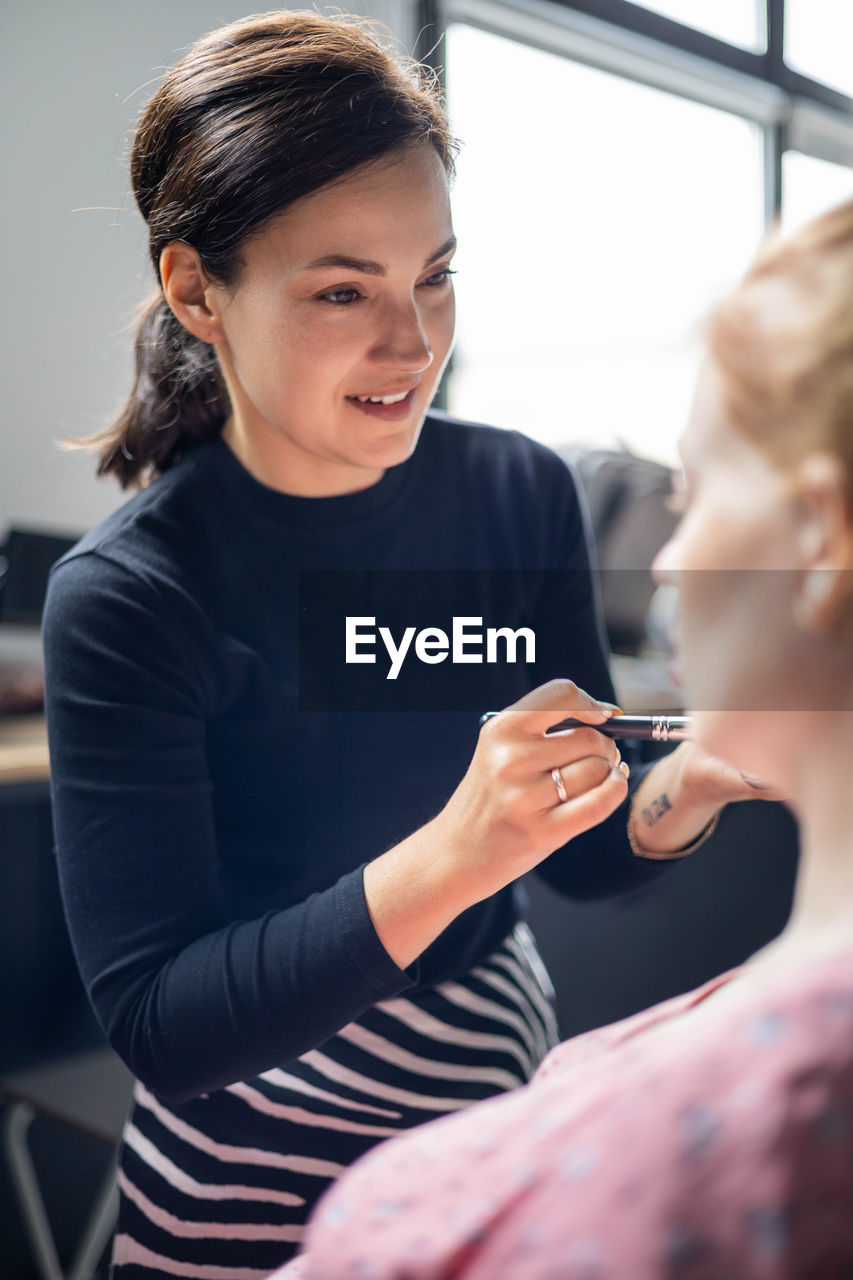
(617, 171)
(620, 163)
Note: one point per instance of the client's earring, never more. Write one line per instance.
(816, 589)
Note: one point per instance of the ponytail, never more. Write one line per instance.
(178, 399)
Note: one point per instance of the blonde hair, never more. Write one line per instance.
(783, 342)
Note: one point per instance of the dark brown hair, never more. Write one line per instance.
(258, 114)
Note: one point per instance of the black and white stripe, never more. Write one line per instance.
(219, 1188)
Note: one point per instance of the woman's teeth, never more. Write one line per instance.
(382, 399)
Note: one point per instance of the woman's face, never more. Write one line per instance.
(740, 654)
(346, 296)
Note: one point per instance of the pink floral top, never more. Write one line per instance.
(721, 1152)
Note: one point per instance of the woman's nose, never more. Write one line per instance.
(404, 342)
(665, 564)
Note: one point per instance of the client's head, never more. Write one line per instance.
(762, 555)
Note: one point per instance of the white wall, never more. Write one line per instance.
(73, 77)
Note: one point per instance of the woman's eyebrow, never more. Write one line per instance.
(367, 266)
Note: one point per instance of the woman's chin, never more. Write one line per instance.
(714, 732)
(744, 739)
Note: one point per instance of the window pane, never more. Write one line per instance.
(811, 186)
(598, 220)
(739, 22)
(819, 41)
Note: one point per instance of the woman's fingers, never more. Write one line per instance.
(522, 753)
(527, 793)
(552, 752)
(588, 808)
(546, 706)
(707, 778)
(575, 779)
(521, 757)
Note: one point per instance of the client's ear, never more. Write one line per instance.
(188, 291)
(825, 539)
(826, 531)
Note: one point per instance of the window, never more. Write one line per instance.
(819, 41)
(740, 22)
(811, 186)
(598, 220)
(616, 176)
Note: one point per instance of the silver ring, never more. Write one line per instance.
(557, 779)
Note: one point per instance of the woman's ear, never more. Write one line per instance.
(188, 291)
(825, 539)
(826, 533)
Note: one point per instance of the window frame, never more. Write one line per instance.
(794, 111)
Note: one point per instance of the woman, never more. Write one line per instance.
(296, 924)
(713, 1135)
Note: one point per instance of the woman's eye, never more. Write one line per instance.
(340, 297)
(440, 278)
(346, 297)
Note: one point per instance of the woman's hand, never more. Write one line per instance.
(682, 793)
(504, 817)
(707, 778)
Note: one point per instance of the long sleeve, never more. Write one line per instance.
(189, 996)
(211, 830)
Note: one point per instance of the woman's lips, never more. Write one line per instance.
(387, 412)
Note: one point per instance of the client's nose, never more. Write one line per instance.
(665, 564)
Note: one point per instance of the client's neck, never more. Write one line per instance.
(822, 914)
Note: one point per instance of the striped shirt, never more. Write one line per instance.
(219, 1188)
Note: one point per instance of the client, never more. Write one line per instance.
(712, 1135)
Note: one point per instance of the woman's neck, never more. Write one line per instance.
(821, 918)
(275, 462)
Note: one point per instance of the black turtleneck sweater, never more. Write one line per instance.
(212, 831)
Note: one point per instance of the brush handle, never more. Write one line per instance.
(659, 728)
(646, 728)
